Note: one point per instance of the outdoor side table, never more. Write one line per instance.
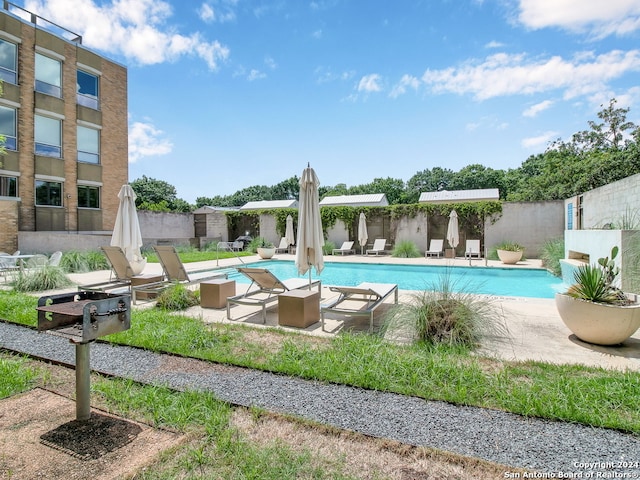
(138, 280)
(214, 293)
(299, 308)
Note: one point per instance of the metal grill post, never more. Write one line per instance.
(83, 382)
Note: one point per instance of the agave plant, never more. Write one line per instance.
(596, 282)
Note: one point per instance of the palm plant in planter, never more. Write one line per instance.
(596, 310)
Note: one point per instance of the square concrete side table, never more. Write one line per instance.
(299, 308)
(214, 293)
(139, 280)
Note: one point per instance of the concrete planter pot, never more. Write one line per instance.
(510, 257)
(599, 323)
(265, 253)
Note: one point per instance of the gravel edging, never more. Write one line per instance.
(557, 449)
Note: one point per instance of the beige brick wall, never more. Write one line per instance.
(114, 133)
(9, 231)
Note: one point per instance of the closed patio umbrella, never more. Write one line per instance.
(310, 236)
(126, 231)
(453, 236)
(289, 235)
(363, 236)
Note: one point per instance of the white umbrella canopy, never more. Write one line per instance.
(453, 236)
(126, 231)
(310, 237)
(363, 235)
(289, 235)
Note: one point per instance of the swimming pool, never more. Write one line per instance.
(488, 280)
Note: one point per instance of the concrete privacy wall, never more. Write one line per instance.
(49, 242)
(166, 226)
(530, 224)
(604, 205)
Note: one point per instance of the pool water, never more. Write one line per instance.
(487, 280)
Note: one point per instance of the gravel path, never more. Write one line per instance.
(557, 449)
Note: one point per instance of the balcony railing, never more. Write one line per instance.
(37, 20)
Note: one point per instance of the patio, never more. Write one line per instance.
(536, 331)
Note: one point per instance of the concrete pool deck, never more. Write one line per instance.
(535, 330)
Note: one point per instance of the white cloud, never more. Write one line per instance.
(137, 29)
(504, 74)
(600, 19)
(324, 75)
(494, 44)
(255, 74)
(317, 34)
(206, 13)
(146, 141)
(370, 83)
(534, 110)
(539, 141)
(270, 63)
(401, 87)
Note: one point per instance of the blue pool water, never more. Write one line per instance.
(492, 280)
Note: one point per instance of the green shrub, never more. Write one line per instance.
(405, 249)
(328, 247)
(259, 242)
(177, 297)
(552, 252)
(447, 313)
(44, 278)
(75, 261)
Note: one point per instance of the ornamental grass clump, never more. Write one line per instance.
(405, 249)
(177, 297)
(43, 278)
(446, 313)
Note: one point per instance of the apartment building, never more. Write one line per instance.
(63, 114)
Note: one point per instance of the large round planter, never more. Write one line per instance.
(598, 323)
(509, 257)
(266, 252)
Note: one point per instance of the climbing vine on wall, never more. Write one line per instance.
(474, 214)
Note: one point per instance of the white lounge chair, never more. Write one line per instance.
(346, 248)
(378, 247)
(283, 247)
(371, 293)
(436, 248)
(54, 259)
(268, 288)
(472, 249)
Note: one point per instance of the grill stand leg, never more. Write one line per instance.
(83, 382)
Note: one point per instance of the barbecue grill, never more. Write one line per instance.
(83, 317)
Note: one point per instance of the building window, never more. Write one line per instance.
(48, 75)
(88, 145)
(8, 62)
(8, 127)
(87, 86)
(48, 136)
(8, 186)
(570, 216)
(48, 193)
(88, 197)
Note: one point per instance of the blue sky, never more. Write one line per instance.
(226, 94)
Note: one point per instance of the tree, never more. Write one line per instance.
(158, 195)
(606, 135)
